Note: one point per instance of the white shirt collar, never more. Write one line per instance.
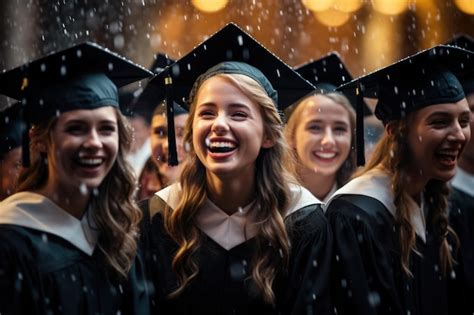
(463, 181)
(230, 231)
(37, 212)
(376, 184)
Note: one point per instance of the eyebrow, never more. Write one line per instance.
(444, 113)
(323, 121)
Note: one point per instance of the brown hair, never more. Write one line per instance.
(272, 197)
(114, 208)
(293, 115)
(393, 153)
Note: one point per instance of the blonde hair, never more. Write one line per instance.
(272, 197)
(393, 154)
(114, 209)
(293, 117)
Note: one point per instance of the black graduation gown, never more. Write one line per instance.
(223, 285)
(367, 275)
(41, 273)
(461, 216)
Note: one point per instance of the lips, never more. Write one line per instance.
(90, 162)
(447, 157)
(325, 155)
(219, 148)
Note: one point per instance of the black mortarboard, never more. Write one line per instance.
(466, 42)
(152, 95)
(230, 44)
(426, 78)
(326, 74)
(11, 128)
(85, 76)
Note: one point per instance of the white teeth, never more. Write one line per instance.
(325, 155)
(221, 145)
(448, 152)
(90, 161)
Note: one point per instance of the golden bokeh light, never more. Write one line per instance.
(390, 7)
(466, 6)
(332, 17)
(318, 5)
(347, 5)
(209, 6)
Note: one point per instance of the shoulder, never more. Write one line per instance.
(17, 241)
(358, 208)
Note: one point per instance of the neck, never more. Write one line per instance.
(467, 164)
(319, 185)
(230, 193)
(73, 201)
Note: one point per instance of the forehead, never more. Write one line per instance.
(107, 113)
(445, 108)
(322, 105)
(161, 120)
(218, 86)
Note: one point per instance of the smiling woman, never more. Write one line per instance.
(236, 235)
(67, 244)
(393, 239)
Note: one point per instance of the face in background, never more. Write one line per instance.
(228, 131)
(82, 149)
(10, 165)
(437, 135)
(467, 157)
(322, 135)
(159, 145)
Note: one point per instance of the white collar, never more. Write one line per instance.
(37, 212)
(463, 181)
(230, 231)
(376, 184)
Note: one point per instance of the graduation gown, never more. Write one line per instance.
(223, 285)
(50, 264)
(461, 216)
(367, 274)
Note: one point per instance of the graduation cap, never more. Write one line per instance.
(11, 128)
(466, 42)
(240, 53)
(147, 99)
(85, 76)
(326, 74)
(426, 78)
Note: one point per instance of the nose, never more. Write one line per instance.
(458, 133)
(220, 125)
(328, 137)
(93, 140)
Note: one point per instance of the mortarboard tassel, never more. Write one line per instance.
(360, 150)
(172, 154)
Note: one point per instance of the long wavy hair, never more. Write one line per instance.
(272, 197)
(114, 209)
(392, 153)
(293, 117)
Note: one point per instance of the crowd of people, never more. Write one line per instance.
(235, 184)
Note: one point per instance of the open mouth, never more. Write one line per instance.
(325, 155)
(90, 162)
(220, 146)
(447, 156)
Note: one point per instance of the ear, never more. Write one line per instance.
(267, 142)
(389, 129)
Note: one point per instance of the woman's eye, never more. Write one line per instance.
(108, 129)
(160, 132)
(314, 128)
(340, 130)
(74, 129)
(240, 115)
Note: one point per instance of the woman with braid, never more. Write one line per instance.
(234, 236)
(394, 249)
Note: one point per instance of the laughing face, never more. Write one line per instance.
(437, 136)
(322, 136)
(228, 131)
(83, 148)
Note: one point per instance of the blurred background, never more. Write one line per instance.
(367, 33)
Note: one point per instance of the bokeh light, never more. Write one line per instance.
(318, 5)
(332, 17)
(466, 6)
(390, 7)
(209, 6)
